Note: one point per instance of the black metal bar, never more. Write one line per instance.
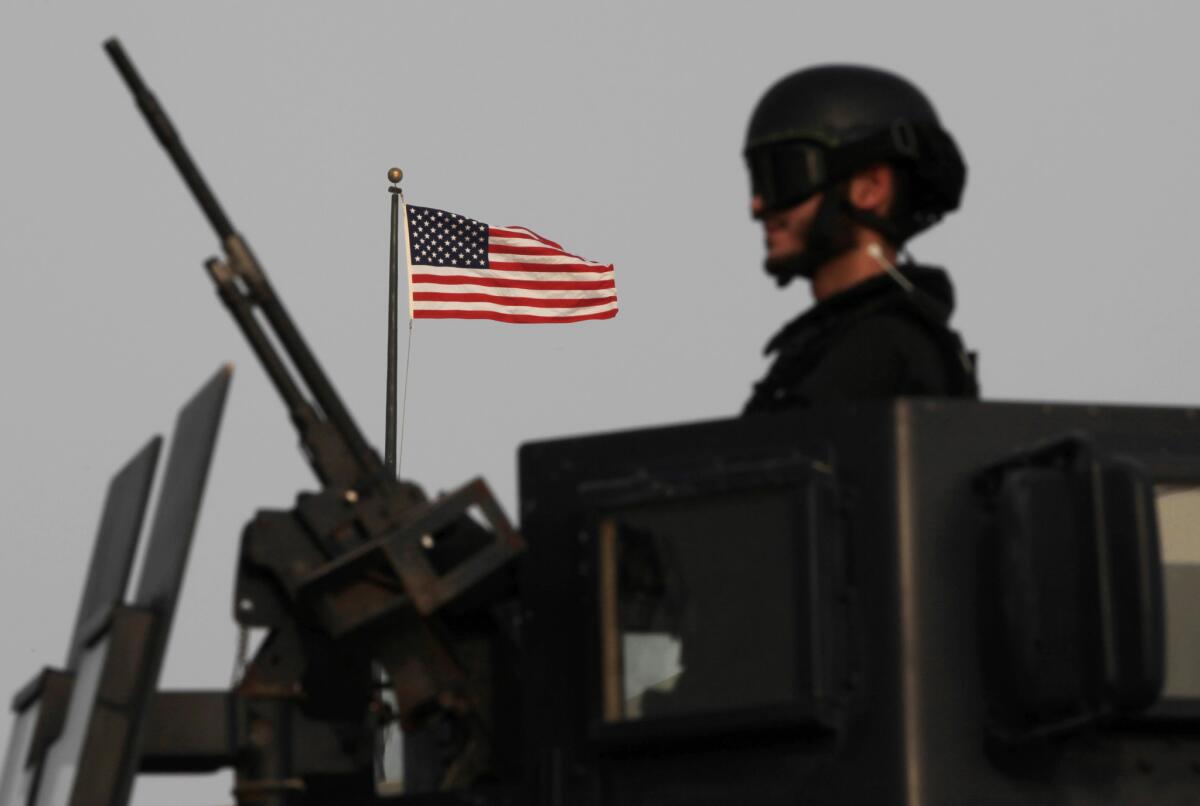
(107, 762)
(189, 731)
(243, 314)
(51, 692)
(323, 448)
(389, 440)
(166, 134)
(116, 543)
(246, 266)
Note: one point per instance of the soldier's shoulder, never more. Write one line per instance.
(896, 328)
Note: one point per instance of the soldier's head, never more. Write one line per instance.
(840, 152)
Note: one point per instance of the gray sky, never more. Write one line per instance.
(614, 128)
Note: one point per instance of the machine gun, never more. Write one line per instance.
(356, 572)
(379, 604)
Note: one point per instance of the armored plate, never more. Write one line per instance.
(116, 543)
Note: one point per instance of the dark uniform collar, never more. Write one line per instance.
(932, 292)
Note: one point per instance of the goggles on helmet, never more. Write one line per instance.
(786, 173)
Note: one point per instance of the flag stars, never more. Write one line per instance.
(447, 239)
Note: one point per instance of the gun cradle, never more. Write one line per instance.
(345, 580)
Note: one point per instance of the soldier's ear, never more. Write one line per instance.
(873, 188)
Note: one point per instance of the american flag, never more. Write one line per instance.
(460, 268)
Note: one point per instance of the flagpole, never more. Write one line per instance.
(408, 352)
(404, 400)
(389, 441)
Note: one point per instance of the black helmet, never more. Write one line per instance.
(817, 126)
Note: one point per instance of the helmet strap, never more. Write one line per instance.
(891, 231)
(830, 235)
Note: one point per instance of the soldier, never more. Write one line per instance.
(846, 164)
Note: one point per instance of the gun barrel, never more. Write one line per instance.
(242, 313)
(336, 448)
(247, 267)
(165, 132)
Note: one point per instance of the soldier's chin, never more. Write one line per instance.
(788, 267)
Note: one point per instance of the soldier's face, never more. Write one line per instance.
(784, 230)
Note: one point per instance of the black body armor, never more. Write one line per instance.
(874, 340)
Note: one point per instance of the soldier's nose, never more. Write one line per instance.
(756, 206)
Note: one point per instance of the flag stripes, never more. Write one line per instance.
(534, 302)
(493, 291)
(499, 282)
(514, 318)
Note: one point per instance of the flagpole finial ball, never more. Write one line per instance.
(395, 175)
